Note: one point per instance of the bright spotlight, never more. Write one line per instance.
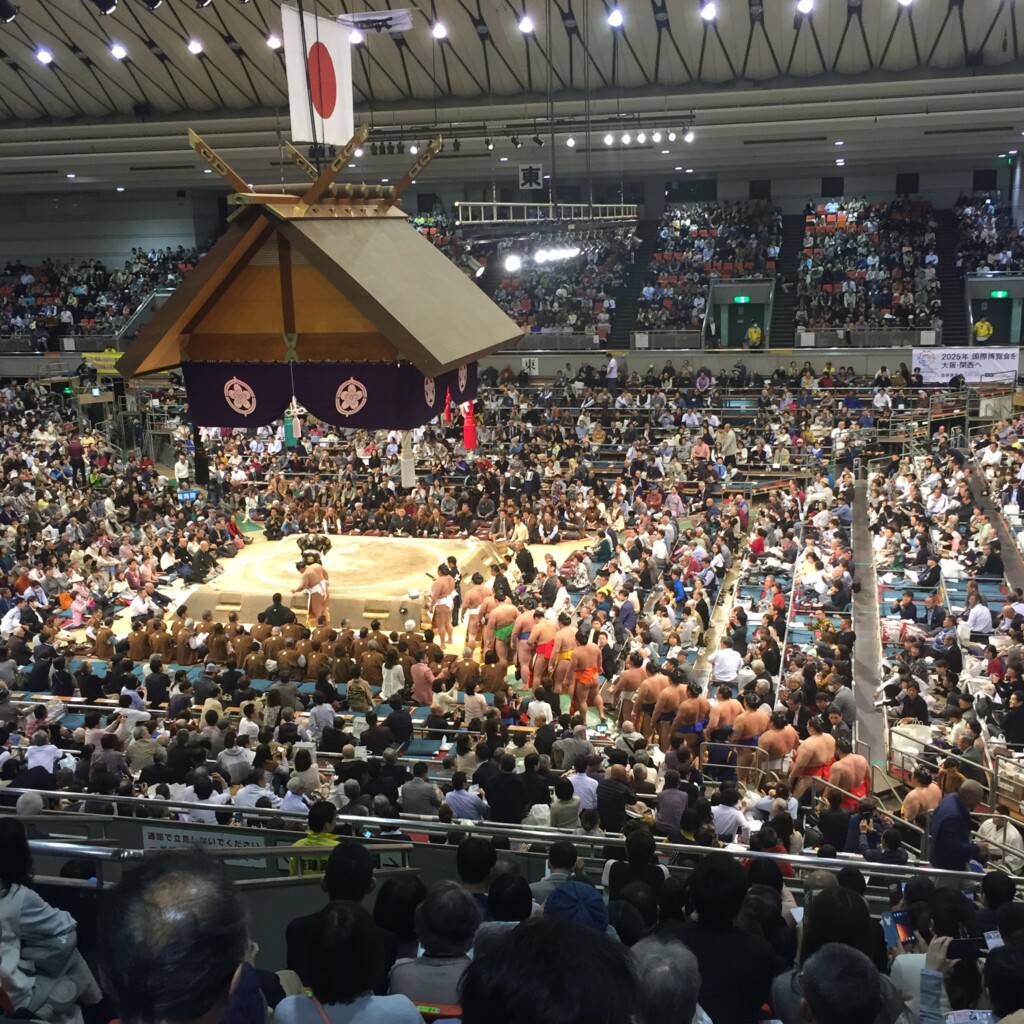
(538, 141)
(609, 139)
(274, 42)
(526, 24)
(195, 47)
(570, 142)
(516, 144)
(439, 31)
(512, 263)
(414, 149)
(117, 51)
(489, 144)
(689, 136)
(44, 56)
(671, 136)
(8, 11)
(355, 37)
(905, 3)
(641, 137)
(805, 6)
(708, 10)
(615, 18)
(105, 6)
(358, 153)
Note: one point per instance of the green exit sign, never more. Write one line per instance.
(741, 298)
(998, 295)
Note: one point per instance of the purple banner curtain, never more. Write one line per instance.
(369, 395)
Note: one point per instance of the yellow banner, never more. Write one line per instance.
(103, 361)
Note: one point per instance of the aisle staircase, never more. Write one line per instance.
(780, 334)
(624, 320)
(955, 329)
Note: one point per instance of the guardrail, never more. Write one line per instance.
(528, 213)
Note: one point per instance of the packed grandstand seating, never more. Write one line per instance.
(700, 241)
(553, 290)
(987, 239)
(868, 265)
(84, 297)
(649, 720)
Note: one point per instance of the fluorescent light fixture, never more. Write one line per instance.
(120, 188)
(689, 170)
(70, 175)
(840, 162)
(665, 152)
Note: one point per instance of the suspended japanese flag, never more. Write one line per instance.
(318, 59)
(469, 429)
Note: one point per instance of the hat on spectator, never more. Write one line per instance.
(579, 902)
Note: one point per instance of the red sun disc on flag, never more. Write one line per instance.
(323, 83)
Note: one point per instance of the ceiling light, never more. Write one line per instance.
(515, 142)
(200, 4)
(512, 263)
(840, 162)
(537, 141)
(355, 37)
(117, 51)
(570, 142)
(152, 4)
(351, 165)
(120, 188)
(656, 137)
(358, 152)
(44, 56)
(1002, 156)
(905, 3)
(489, 144)
(195, 47)
(615, 18)
(503, 159)
(526, 24)
(207, 170)
(105, 6)
(708, 10)
(641, 137)
(274, 41)
(439, 31)
(70, 175)
(689, 136)
(384, 181)
(626, 140)
(8, 11)
(1012, 152)
(609, 139)
(805, 6)
(671, 136)
(414, 149)
(689, 170)
(665, 152)
(679, 168)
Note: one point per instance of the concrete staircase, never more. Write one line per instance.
(780, 334)
(955, 329)
(624, 319)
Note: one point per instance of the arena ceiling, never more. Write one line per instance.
(761, 84)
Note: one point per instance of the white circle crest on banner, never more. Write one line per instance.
(240, 397)
(350, 397)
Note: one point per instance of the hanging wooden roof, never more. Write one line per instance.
(358, 284)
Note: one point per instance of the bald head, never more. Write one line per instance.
(970, 794)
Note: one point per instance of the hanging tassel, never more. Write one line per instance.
(469, 428)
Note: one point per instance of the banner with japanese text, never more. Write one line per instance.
(975, 365)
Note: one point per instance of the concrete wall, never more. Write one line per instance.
(863, 361)
(103, 226)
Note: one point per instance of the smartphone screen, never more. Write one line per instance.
(966, 949)
(897, 928)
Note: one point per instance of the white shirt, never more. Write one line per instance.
(540, 712)
(979, 619)
(199, 813)
(729, 822)
(725, 664)
(613, 369)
